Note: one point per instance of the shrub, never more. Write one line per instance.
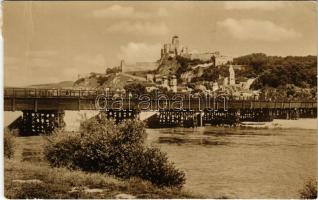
(102, 146)
(156, 168)
(61, 149)
(8, 144)
(309, 191)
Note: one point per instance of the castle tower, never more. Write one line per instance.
(232, 75)
(175, 44)
(122, 63)
(165, 48)
(213, 60)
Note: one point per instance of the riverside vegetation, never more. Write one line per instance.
(8, 144)
(103, 160)
(102, 146)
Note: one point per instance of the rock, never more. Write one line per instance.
(86, 189)
(27, 181)
(77, 189)
(125, 196)
(94, 190)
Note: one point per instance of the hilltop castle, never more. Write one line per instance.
(175, 49)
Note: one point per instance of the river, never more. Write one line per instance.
(241, 162)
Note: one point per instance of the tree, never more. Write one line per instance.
(135, 88)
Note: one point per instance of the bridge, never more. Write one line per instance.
(43, 109)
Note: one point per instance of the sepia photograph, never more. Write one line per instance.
(159, 99)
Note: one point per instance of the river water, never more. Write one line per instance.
(241, 162)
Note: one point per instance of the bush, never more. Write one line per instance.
(309, 191)
(156, 168)
(136, 88)
(102, 146)
(8, 143)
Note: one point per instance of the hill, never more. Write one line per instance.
(59, 85)
(275, 71)
(113, 80)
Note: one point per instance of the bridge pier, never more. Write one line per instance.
(221, 117)
(41, 122)
(121, 115)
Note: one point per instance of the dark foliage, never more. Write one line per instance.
(79, 80)
(154, 166)
(102, 146)
(101, 80)
(135, 88)
(274, 71)
(113, 70)
(8, 144)
(309, 191)
(185, 64)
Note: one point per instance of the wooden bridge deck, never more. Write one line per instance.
(19, 99)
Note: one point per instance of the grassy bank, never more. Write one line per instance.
(27, 175)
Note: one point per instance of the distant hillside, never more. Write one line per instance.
(113, 80)
(272, 71)
(140, 73)
(63, 84)
(275, 71)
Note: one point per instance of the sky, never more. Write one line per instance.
(47, 42)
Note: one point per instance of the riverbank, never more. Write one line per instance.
(308, 124)
(27, 175)
(298, 124)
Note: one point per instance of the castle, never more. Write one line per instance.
(175, 49)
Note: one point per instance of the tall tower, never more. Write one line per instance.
(232, 75)
(122, 63)
(175, 44)
(213, 60)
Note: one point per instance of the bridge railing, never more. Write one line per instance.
(35, 92)
(202, 103)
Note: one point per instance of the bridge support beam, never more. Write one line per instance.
(41, 122)
(121, 115)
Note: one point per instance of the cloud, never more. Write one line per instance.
(262, 30)
(143, 28)
(118, 11)
(132, 21)
(259, 5)
(139, 52)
